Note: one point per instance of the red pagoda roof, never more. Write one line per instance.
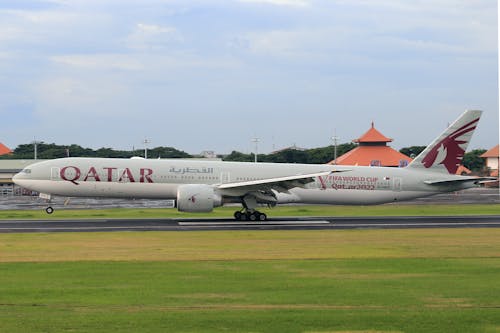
(4, 150)
(369, 155)
(372, 135)
(373, 151)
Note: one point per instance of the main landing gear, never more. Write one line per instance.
(250, 215)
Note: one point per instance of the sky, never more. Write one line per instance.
(213, 74)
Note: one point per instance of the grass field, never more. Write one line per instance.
(422, 280)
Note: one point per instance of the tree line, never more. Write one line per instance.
(319, 155)
(51, 150)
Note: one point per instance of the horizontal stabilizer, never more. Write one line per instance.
(462, 179)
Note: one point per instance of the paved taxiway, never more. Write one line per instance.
(273, 224)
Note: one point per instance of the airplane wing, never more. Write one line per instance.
(280, 184)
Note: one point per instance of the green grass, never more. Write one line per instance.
(407, 295)
(227, 212)
(424, 280)
(250, 245)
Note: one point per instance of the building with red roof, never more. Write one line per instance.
(4, 150)
(491, 157)
(373, 150)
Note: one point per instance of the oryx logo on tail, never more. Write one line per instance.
(445, 153)
(450, 151)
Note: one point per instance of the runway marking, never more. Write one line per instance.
(415, 224)
(263, 223)
(52, 221)
(97, 228)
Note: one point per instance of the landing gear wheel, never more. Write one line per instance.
(249, 216)
(242, 216)
(49, 210)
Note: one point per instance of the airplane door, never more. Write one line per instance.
(55, 173)
(397, 184)
(224, 177)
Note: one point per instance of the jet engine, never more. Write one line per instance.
(197, 198)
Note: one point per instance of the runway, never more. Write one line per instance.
(302, 223)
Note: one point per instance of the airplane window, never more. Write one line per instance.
(26, 170)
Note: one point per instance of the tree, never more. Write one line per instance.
(326, 154)
(51, 151)
(288, 156)
(237, 156)
(44, 151)
(412, 151)
(167, 152)
(310, 156)
(473, 162)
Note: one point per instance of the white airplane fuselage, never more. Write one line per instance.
(160, 179)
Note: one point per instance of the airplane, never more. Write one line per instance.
(199, 186)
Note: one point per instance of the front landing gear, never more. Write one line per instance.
(47, 198)
(250, 216)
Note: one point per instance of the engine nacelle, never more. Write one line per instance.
(197, 198)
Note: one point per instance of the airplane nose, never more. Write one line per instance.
(16, 176)
(18, 179)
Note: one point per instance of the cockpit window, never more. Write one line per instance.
(26, 171)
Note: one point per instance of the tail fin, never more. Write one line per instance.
(445, 153)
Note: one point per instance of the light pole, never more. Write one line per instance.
(146, 142)
(334, 139)
(256, 141)
(35, 147)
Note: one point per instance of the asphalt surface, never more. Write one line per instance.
(305, 223)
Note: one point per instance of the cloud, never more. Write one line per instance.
(153, 63)
(301, 45)
(100, 61)
(361, 29)
(86, 63)
(46, 31)
(292, 3)
(73, 97)
(152, 36)
(152, 29)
